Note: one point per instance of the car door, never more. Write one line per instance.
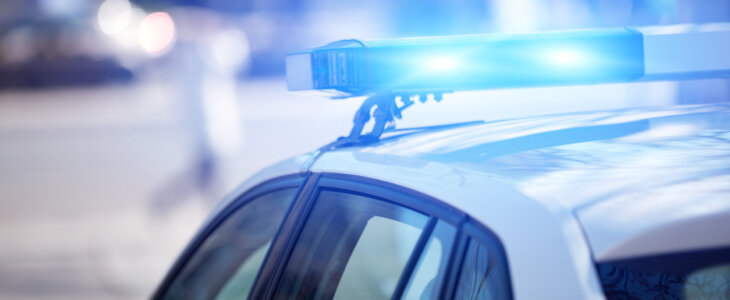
(331, 236)
(365, 239)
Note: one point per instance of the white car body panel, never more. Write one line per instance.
(563, 192)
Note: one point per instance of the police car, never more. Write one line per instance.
(627, 204)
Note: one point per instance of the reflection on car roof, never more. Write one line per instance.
(624, 173)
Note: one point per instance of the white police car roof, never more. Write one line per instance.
(565, 191)
(561, 192)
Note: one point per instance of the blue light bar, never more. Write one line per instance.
(452, 63)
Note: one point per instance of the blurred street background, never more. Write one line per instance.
(123, 123)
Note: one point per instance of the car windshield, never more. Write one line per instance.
(694, 275)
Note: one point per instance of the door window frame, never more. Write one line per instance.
(270, 275)
(473, 231)
(309, 185)
(240, 200)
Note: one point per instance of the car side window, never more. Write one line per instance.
(351, 247)
(226, 264)
(484, 273)
(428, 275)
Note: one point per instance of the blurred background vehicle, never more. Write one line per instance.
(122, 123)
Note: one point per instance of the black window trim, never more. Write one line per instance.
(282, 246)
(457, 259)
(413, 259)
(392, 193)
(469, 231)
(242, 198)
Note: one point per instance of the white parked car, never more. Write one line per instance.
(626, 204)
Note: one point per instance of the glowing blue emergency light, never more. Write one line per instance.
(469, 62)
(391, 72)
(452, 63)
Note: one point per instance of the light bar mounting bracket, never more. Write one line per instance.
(384, 108)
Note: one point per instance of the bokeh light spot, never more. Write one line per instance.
(229, 50)
(156, 33)
(113, 16)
